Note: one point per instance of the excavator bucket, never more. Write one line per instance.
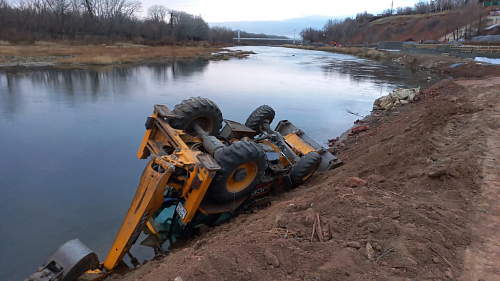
(67, 263)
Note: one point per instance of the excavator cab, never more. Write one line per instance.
(198, 174)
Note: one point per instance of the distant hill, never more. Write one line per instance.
(282, 27)
(415, 27)
(454, 24)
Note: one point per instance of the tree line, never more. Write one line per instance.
(425, 7)
(357, 30)
(96, 21)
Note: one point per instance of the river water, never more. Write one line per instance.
(69, 137)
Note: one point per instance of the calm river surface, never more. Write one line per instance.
(68, 138)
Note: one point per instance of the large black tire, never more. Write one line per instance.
(242, 163)
(200, 111)
(304, 168)
(258, 116)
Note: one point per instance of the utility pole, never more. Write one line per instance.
(294, 36)
(172, 18)
(392, 8)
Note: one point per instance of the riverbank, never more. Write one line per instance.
(449, 137)
(355, 51)
(48, 53)
(416, 198)
(455, 67)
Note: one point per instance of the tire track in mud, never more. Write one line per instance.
(481, 261)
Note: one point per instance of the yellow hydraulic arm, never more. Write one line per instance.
(147, 200)
(155, 177)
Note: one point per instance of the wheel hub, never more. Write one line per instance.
(240, 175)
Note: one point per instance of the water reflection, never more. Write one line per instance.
(361, 69)
(84, 85)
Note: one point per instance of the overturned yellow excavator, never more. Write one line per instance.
(197, 174)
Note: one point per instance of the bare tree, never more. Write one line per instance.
(101, 9)
(422, 7)
(387, 12)
(157, 13)
(128, 9)
(3, 5)
(333, 30)
(60, 11)
(188, 27)
(476, 12)
(30, 20)
(311, 35)
(220, 34)
(408, 11)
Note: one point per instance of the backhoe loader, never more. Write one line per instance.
(197, 174)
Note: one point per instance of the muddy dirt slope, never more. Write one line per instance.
(428, 211)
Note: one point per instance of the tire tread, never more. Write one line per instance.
(189, 108)
(258, 116)
(303, 167)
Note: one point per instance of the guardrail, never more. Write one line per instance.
(466, 49)
(488, 49)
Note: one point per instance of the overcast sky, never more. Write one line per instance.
(251, 10)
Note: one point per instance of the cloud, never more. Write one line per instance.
(244, 10)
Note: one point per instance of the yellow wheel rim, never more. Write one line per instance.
(241, 177)
(311, 173)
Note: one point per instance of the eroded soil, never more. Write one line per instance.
(453, 66)
(429, 210)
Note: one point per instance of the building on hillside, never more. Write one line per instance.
(492, 30)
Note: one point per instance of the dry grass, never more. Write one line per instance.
(48, 44)
(342, 50)
(419, 16)
(101, 54)
(355, 51)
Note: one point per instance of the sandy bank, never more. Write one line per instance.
(355, 51)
